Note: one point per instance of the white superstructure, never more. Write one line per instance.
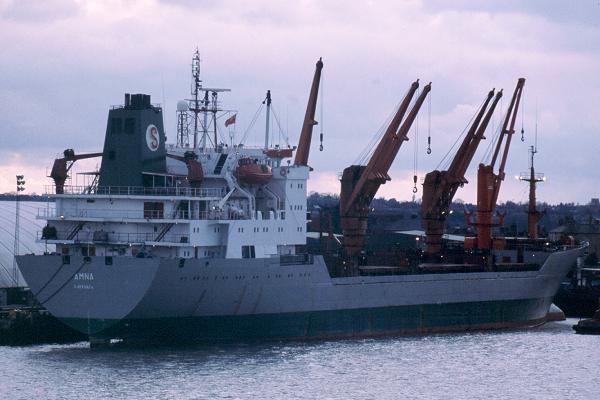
(223, 218)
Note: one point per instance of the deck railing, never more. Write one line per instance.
(112, 214)
(139, 191)
(113, 237)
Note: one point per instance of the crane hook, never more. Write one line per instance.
(415, 190)
(429, 145)
(321, 145)
(522, 135)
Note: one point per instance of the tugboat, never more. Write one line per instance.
(578, 297)
(589, 326)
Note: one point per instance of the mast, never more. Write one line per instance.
(196, 87)
(205, 125)
(268, 101)
(533, 215)
(214, 111)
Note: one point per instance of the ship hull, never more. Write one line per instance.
(332, 324)
(166, 300)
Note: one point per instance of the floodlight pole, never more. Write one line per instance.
(20, 188)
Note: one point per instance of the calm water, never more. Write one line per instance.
(550, 362)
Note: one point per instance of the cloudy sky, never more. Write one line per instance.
(64, 62)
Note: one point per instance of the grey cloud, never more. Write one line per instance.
(579, 11)
(56, 85)
(34, 11)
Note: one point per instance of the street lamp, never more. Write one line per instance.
(20, 183)
(20, 188)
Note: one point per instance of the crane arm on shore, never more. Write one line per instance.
(361, 183)
(309, 119)
(440, 187)
(488, 182)
(62, 166)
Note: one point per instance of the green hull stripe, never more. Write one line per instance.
(322, 324)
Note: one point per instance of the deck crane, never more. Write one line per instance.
(195, 173)
(440, 187)
(488, 183)
(360, 183)
(309, 119)
(62, 166)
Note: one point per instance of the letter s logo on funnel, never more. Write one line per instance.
(152, 137)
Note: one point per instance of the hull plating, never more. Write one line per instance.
(232, 299)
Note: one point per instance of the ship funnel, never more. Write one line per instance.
(134, 145)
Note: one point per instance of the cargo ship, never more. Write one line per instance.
(205, 241)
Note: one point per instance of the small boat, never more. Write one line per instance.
(589, 326)
(252, 172)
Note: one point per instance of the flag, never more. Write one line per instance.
(230, 120)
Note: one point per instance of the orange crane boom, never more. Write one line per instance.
(62, 166)
(488, 183)
(309, 119)
(195, 173)
(440, 187)
(360, 183)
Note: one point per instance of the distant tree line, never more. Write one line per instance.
(23, 197)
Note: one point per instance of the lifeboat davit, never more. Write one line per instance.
(252, 172)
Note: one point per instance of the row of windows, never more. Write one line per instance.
(264, 229)
(207, 253)
(296, 207)
(300, 185)
(197, 230)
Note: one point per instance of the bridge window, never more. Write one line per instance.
(116, 126)
(89, 251)
(129, 126)
(153, 209)
(248, 252)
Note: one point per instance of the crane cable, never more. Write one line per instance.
(446, 160)
(281, 132)
(416, 148)
(321, 116)
(522, 119)
(429, 123)
(497, 133)
(368, 150)
(252, 122)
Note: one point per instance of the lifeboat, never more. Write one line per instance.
(252, 172)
